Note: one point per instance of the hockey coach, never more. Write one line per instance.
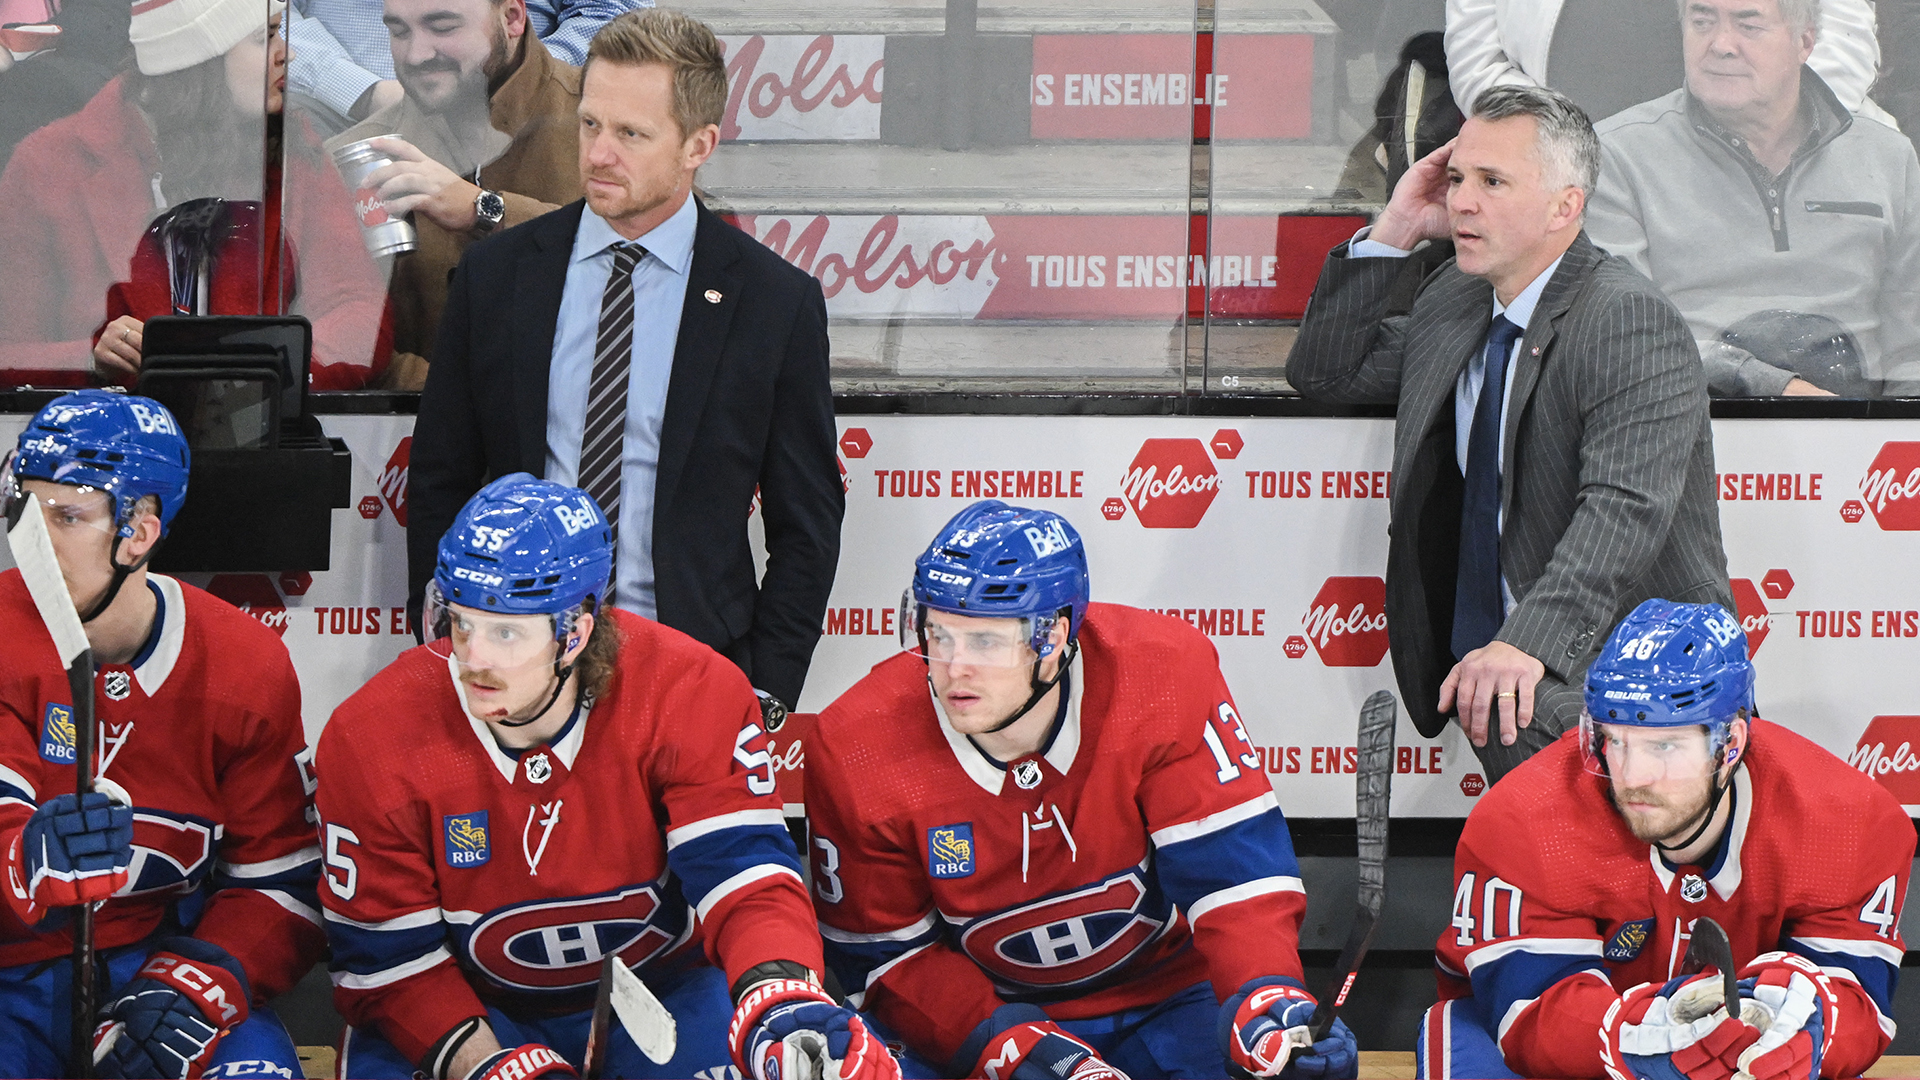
(1553, 464)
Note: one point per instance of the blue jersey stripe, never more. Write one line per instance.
(1519, 976)
(1255, 848)
(706, 861)
(1878, 977)
(853, 963)
(367, 952)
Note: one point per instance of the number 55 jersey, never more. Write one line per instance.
(1140, 853)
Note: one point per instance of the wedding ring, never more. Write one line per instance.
(1508, 693)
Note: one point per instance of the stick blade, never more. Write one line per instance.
(1708, 947)
(33, 553)
(648, 1022)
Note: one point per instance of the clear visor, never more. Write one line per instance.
(1638, 756)
(942, 637)
(64, 505)
(484, 641)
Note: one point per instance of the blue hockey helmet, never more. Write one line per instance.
(1670, 665)
(997, 561)
(128, 447)
(523, 546)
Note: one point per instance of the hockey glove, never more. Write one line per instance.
(1022, 1044)
(1264, 1032)
(170, 1016)
(1798, 1020)
(789, 1029)
(73, 850)
(531, 1061)
(1679, 1030)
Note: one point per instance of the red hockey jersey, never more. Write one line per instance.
(1141, 852)
(456, 872)
(203, 731)
(1557, 908)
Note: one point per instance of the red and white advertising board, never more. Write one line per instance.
(1269, 535)
(823, 87)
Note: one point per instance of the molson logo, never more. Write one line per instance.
(1347, 622)
(1891, 488)
(1170, 483)
(254, 595)
(393, 480)
(1885, 752)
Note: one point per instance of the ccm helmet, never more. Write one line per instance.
(124, 446)
(1671, 665)
(523, 546)
(994, 561)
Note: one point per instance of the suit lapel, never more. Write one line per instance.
(1575, 267)
(696, 355)
(1458, 331)
(539, 279)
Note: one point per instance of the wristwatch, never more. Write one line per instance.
(773, 711)
(488, 209)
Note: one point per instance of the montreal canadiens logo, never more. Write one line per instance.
(1069, 939)
(548, 945)
(170, 853)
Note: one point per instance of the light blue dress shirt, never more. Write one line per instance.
(1466, 390)
(659, 291)
(341, 47)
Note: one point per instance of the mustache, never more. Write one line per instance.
(482, 683)
(431, 67)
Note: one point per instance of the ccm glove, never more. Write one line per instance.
(788, 1029)
(172, 1014)
(529, 1062)
(73, 850)
(1264, 1032)
(1019, 1043)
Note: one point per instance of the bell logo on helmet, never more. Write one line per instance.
(1047, 538)
(1723, 629)
(151, 421)
(577, 519)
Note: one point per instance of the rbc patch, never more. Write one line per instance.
(1626, 942)
(950, 850)
(467, 839)
(57, 735)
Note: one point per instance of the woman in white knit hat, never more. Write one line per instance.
(200, 119)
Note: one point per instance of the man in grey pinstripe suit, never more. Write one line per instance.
(1586, 483)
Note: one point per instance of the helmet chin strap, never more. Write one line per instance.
(561, 675)
(120, 574)
(1706, 819)
(1040, 689)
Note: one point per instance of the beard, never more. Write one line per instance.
(1669, 818)
(470, 89)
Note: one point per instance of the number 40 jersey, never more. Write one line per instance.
(1557, 908)
(1141, 852)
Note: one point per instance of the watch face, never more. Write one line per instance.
(491, 206)
(773, 714)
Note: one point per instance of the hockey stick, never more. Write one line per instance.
(1709, 948)
(623, 996)
(1373, 786)
(40, 570)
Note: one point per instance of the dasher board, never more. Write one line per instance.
(929, 17)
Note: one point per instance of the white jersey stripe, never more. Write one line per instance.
(271, 866)
(1246, 890)
(876, 974)
(1867, 947)
(14, 779)
(1212, 823)
(737, 819)
(287, 901)
(905, 933)
(347, 980)
(1486, 954)
(740, 881)
(412, 920)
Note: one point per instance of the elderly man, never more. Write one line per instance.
(485, 141)
(1752, 189)
(1550, 470)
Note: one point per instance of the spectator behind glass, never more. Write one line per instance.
(80, 276)
(485, 139)
(346, 71)
(44, 78)
(1755, 200)
(1609, 54)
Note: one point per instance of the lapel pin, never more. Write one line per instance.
(713, 296)
(1536, 350)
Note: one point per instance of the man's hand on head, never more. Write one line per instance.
(1497, 673)
(416, 183)
(1418, 209)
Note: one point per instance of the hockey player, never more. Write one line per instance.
(545, 783)
(1062, 860)
(1580, 875)
(208, 876)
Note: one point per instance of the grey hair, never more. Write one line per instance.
(1799, 15)
(1568, 149)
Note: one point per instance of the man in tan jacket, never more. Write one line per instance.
(483, 140)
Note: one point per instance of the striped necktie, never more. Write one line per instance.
(605, 430)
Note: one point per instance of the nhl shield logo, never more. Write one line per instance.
(57, 734)
(467, 844)
(118, 683)
(1693, 888)
(950, 850)
(1626, 942)
(1026, 774)
(539, 768)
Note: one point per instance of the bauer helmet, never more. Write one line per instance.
(995, 561)
(124, 445)
(1669, 665)
(523, 546)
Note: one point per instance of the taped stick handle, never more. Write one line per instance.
(80, 682)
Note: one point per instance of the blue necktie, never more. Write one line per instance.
(1478, 607)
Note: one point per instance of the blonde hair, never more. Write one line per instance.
(681, 42)
(595, 664)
